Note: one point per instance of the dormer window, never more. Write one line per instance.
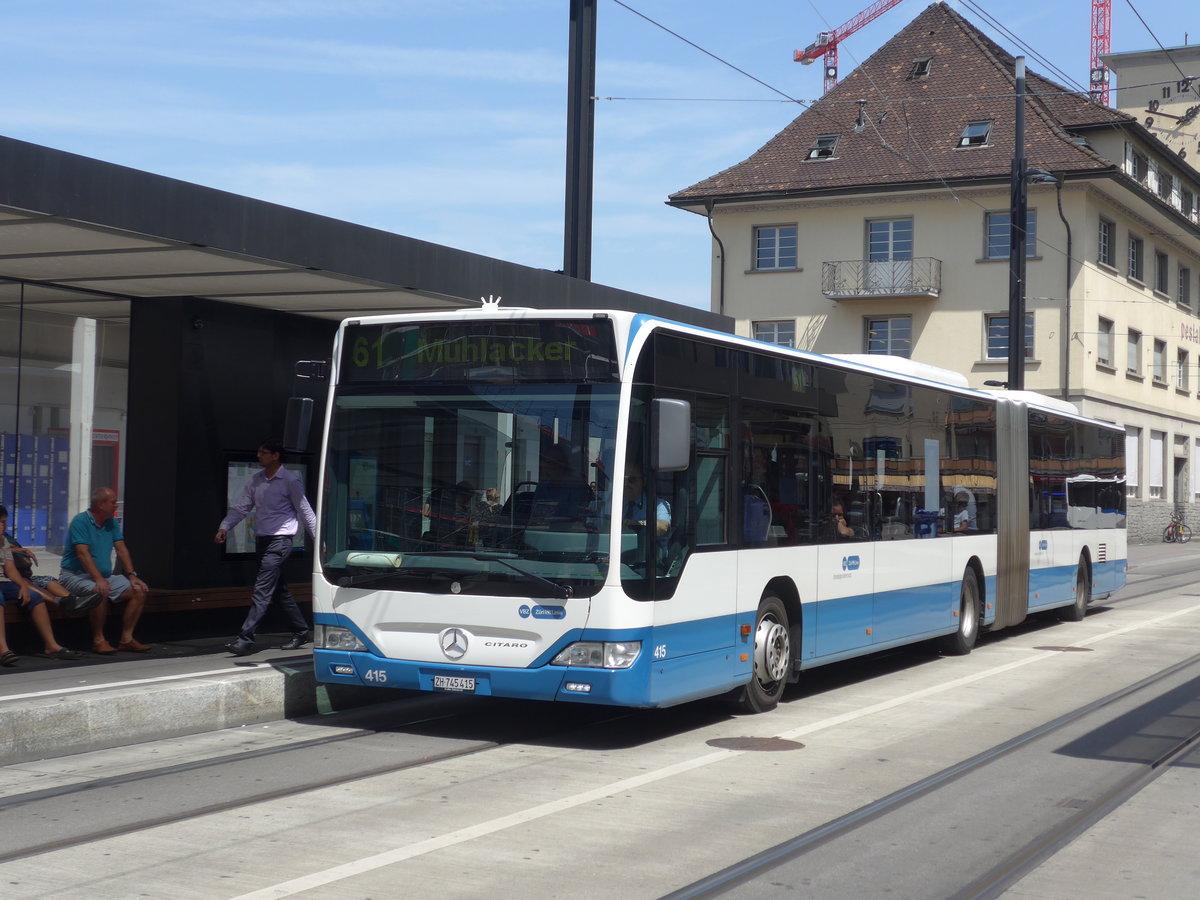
(823, 146)
(976, 134)
(920, 67)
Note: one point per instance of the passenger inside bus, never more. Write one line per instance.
(964, 512)
(839, 528)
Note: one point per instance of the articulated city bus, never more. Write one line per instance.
(606, 507)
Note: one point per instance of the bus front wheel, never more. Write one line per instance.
(969, 611)
(772, 658)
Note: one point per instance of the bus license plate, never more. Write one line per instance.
(453, 683)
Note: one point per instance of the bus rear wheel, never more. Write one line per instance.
(1083, 596)
(772, 658)
(970, 608)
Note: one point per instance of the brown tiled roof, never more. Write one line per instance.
(914, 124)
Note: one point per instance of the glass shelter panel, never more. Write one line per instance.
(63, 403)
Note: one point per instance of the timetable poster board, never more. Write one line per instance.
(241, 538)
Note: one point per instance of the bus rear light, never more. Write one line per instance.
(334, 637)
(599, 655)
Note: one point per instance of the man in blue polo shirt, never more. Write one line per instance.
(87, 567)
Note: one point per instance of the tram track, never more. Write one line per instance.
(272, 776)
(735, 880)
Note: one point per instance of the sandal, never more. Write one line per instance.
(64, 653)
(8, 658)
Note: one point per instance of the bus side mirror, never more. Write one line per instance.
(296, 423)
(671, 422)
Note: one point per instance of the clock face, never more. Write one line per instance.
(1172, 128)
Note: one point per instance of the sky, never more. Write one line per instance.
(445, 120)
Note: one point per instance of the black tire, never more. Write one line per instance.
(1184, 535)
(1083, 596)
(1169, 534)
(772, 658)
(970, 613)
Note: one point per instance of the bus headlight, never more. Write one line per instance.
(334, 637)
(599, 654)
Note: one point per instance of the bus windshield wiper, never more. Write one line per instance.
(368, 577)
(563, 590)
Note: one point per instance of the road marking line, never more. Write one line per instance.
(462, 835)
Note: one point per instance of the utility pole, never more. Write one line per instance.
(581, 132)
(1017, 214)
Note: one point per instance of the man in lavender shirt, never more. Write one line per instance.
(277, 498)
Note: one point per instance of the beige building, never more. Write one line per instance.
(878, 222)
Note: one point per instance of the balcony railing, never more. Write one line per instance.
(921, 277)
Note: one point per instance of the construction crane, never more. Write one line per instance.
(1101, 45)
(826, 44)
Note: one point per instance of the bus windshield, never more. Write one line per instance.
(476, 489)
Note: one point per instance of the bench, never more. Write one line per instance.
(176, 601)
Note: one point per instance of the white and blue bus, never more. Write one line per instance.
(606, 507)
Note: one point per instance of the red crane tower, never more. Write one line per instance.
(1101, 45)
(827, 42)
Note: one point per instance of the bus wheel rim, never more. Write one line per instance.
(772, 651)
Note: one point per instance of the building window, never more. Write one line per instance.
(1166, 184)
(976, 134)
(1157, 463)
(1140, 167)
(1137, 259)
(1195, 471)
(889, 334)
(889, 239)
(1187, 203)
(1133, 352)
(996, 326)
(781, 333)
(1182, 379)
(1184, 297)
(823, 146)
(1107, 234)
(1160, 362)
(775, 247)
(996, 231)
(1133, 441)
(1104, 343)
(1162, 270)
(920, 67)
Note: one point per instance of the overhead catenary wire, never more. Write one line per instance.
(819, 108)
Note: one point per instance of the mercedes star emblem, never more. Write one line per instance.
(454, 643)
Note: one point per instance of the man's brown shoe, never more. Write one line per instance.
(133, 646)
(103, 647)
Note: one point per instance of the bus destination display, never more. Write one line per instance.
(494, 352)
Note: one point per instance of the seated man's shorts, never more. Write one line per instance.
(82, 585)
(11, 593)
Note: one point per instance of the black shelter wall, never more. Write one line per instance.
(207, 382)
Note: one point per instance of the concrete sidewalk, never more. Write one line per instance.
(188, 686)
